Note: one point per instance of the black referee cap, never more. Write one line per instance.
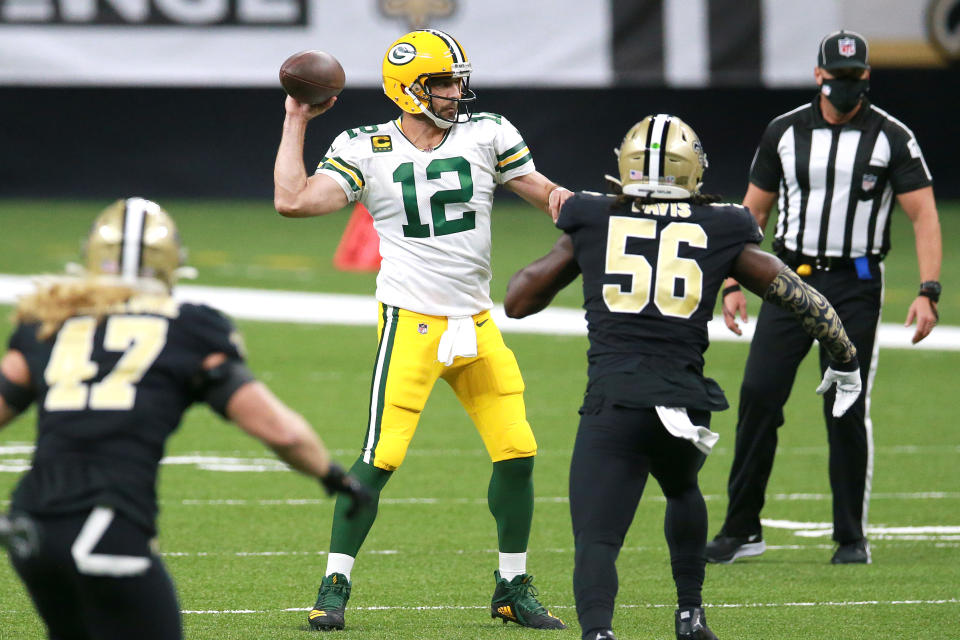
(842, 50)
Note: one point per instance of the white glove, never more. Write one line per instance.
(848, 388)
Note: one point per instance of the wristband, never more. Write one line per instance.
(16, 396)
(731, 289)
(845, 367)
(930, 289)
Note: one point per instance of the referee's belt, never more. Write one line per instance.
(797, 261)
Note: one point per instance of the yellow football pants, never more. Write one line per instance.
(489, 386)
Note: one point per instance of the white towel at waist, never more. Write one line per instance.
(677, 422)
(459, 340)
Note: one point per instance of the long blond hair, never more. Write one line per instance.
(57, 300)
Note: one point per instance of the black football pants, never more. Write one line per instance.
(616, 448)
(779, 344)
(76, 605)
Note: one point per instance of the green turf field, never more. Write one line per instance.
(252, 542)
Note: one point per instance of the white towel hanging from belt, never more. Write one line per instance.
(677, 422)
(459, 340)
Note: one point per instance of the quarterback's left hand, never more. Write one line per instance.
(556, 199)
(848, 388)
(339, 481)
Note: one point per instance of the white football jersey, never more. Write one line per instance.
(431, 209)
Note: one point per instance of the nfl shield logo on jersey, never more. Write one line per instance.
(422, 328)
(869, 182)
(848, 47)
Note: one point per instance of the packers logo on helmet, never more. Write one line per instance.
(661, 157)
(134, 239)
(419, 58)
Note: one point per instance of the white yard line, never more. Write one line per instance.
(776, 497)
(345, 309)
(720, 605)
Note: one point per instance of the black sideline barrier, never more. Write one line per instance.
(175, 142)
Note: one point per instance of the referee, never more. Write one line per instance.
(838, 164)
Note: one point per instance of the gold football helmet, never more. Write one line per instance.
(135, 239)
(419, 57)
(661, 157)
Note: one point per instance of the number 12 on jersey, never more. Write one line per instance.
(670, 267)
(442, 226)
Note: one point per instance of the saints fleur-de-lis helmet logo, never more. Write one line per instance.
(418, 13)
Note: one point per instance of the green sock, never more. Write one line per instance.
(348, 535)
(510, 497)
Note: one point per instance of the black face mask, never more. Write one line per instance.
(844, 94)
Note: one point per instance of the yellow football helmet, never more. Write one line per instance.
(416, 58)
(134, 239)
(661, 157)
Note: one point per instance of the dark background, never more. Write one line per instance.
(168, 142)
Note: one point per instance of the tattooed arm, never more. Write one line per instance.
(816, 315)
(765, 275)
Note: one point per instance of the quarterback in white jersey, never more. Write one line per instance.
(428, 179)
(431, 209)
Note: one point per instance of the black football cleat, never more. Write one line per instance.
(691, 624)
(726, 549)
(854, 553)
(516, 601)
(600, 634)
(328, 613)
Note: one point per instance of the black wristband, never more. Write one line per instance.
(850, 365)
(334, 480)
(730, 289)
(16, 396)
(930, 289)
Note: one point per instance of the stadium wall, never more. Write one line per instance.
(86, 142)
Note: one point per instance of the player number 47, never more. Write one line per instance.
(670, 267)
(140, 338)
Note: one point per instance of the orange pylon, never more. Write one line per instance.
(359, 248)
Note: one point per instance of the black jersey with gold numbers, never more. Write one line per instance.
(651, 274)
(108, 395)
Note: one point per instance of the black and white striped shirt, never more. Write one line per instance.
(837, 182)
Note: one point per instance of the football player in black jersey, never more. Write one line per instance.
(653, 258)
(113, 361)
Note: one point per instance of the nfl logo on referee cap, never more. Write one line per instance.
(847, 46)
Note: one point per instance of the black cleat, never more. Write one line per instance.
(516, 601)
(854, 553)
(601, 634)
(691, 624)
(726, 549)
(328, 613)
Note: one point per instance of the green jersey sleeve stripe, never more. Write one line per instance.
(512, 150)
(513, 165)
(353, 175)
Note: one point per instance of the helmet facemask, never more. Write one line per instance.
(424, 98)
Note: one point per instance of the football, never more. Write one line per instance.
(312, 77)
